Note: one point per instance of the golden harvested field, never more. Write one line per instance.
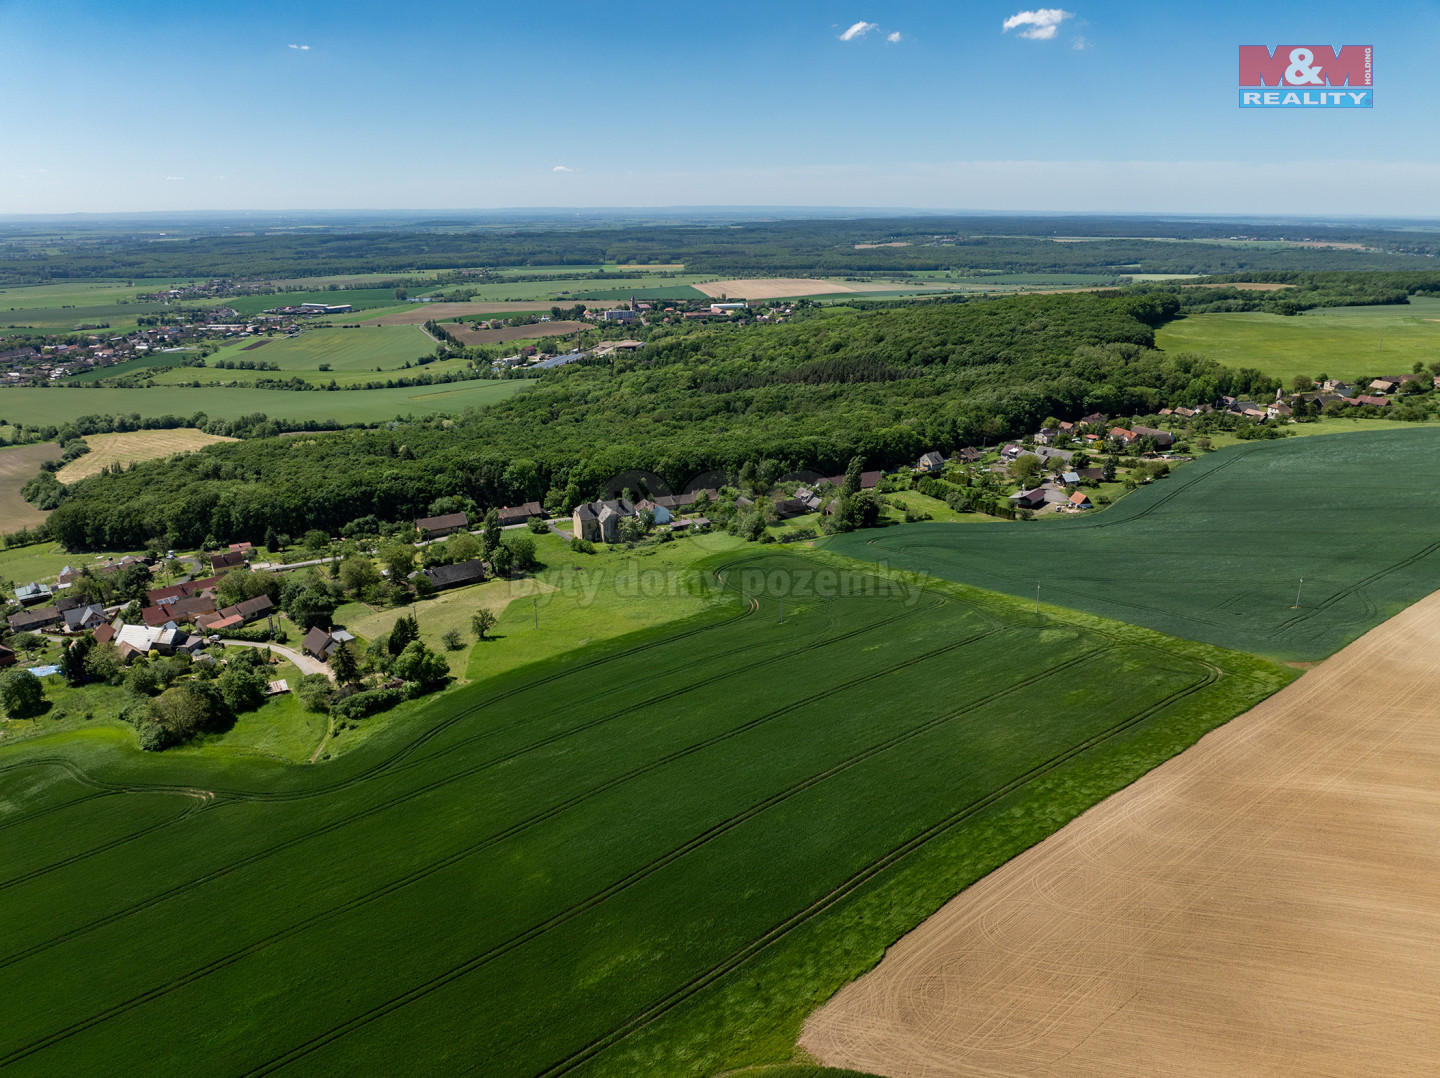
(772, 288)
(468, 334)
(107, 449)
(18, 465)
(1267, 902)
(441, 311)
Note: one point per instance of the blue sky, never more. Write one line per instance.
(1113, 106)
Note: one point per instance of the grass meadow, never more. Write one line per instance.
(649, 856)
(1342, 342)
(61, 307)
(1216, 552)
(58, 406)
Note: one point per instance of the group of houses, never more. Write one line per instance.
(163, 620)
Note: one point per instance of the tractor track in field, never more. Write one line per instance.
(555, 810)
(738, 957)
(1357, 589)
(440, 783)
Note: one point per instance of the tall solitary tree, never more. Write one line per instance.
(481, 622)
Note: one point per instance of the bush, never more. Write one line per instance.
(522, 551)
(241, 689)
(21, 694)
(314, 692)
(361, 704)
(452, 640)
(582, 546)
(537, 526)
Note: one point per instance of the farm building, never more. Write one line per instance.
(28, 621)
(447, 524)
(7, 657)
(519, 514)
(29, 594)
(453, 576)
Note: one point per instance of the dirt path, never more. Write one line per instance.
(1267, 902)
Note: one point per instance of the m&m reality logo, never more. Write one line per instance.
(1307, 77)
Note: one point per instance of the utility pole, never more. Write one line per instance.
(782, 610)
(1037, 598)
(535, 606)
(1297, 593)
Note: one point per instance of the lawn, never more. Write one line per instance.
(43, 562)
(1216, 552)
(1342, 342)
(649, 856)
(18, 465)
(58, 406)
(124, 448)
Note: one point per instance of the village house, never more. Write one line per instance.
(446, 524)
(658, 513)
(1079, 500)
(1163, 438)
(321, 644)
(81, 618)
(7, 657)
(229, 560)
(139, 640)
(930, 462)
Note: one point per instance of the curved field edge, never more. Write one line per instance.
(752, 1014)
(755, 1021)
(1216, 551)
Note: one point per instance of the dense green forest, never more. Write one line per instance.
(1304, 290)
(730, 248)
(886, 385)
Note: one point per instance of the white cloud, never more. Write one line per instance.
(1080, 43)
(561, 168)
(174, 179)
(894, 38)
(1042, 22)
(302, 48)
(860, 29)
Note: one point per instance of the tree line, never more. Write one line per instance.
(688, 403)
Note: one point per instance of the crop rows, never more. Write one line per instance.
(531, 871)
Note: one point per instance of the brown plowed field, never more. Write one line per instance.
(1266, 903)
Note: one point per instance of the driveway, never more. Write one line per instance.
(305, 663)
